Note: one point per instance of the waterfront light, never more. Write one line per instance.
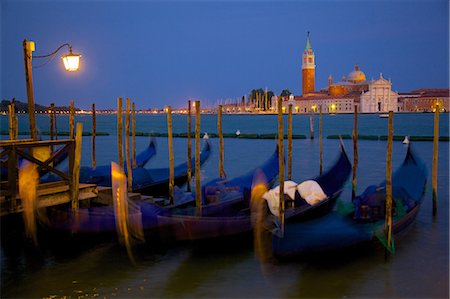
(71, 61)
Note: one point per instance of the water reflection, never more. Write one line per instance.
(28, 181)
(128, 217)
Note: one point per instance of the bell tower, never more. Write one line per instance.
(308, 68)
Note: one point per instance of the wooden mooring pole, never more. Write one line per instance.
(28, 48)
(355, 151)
(171, 162)
(127, 146)
(52, 124)
(290, 142)
(119, 132)
(281, 162)
(320, 141)
(198, 191)
(76, 166)
(55, 127)
(12, 121)
(221, 153)
(94, 133)
(388, 223)
(434, 170)
(71, 120)
(133, 133)
(189, 148)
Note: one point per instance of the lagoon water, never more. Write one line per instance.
(71, 267)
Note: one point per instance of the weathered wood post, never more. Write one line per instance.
(320, 141)
(189, 148)
(434, 175)
(119, 132)
(281, 161)
(28, 48)
(171, 163)
(12, 122)
(221, 153)
(133, 133)
(94, 133)
(71, 120)
(127, 146)
(311, 124)
(76, 166)
(16, 120)
(52, 124)
(388, 223)
(355, 151)
(198, 191)
(290, 142)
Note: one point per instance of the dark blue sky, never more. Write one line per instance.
(159, 53)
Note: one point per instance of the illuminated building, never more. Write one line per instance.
(369, 96)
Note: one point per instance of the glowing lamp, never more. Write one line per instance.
(71, 61)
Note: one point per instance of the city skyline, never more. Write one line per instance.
(161, 54)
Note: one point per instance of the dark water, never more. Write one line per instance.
(65, 266)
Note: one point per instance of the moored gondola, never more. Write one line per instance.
(364, 222)
(188, 224)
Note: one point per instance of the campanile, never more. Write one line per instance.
(308, 68)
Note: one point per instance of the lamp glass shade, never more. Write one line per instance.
(71, 62)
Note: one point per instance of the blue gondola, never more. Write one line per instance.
(365, 221)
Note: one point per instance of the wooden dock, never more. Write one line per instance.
(49, 194)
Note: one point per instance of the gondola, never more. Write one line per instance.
(155, 181)
(99, 219)
(218, 221)
(364, 222)
(101, 175)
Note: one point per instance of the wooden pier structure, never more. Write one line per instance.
(48, 194)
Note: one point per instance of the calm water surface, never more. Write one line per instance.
(66, 266)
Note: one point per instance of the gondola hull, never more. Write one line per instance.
(228, 218)
(336, 231)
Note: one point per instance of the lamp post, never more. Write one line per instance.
(71, 63)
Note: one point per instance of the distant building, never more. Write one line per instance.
(424, 100)
(370, 96)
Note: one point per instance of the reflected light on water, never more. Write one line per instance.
(28, 181)
(259, 210)
(127, 214)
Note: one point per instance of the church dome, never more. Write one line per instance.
(356, 76)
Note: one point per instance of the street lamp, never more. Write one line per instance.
(71, 63)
